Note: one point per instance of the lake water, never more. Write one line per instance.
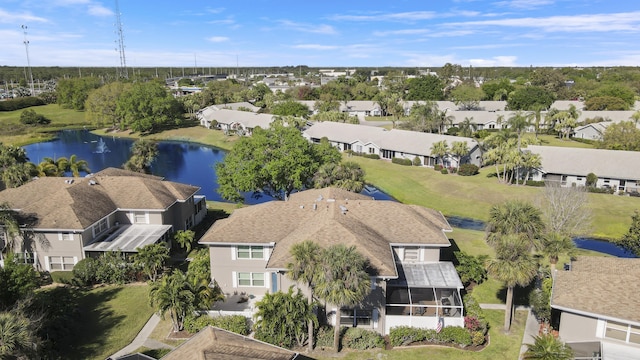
(194, 164)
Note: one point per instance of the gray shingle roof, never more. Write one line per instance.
(248, 119)
(74, 203)
(597, 285)
(370, 225)
(615, 164)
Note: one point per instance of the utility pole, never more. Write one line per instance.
(26, 46)
(122, 70)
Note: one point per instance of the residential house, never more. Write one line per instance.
(599, 308)
(233, 121)
(69, 219)
(592, 131)
(238, 106)
(212, 343)
(389, 144)
(361, 108)
(570, 166)
(250, 252)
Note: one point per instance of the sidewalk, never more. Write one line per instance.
(530, 329)
(142, 339)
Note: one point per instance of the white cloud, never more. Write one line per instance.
(218, 39)
(402, 16)
(314, 47)
(402, 32)
(16, 18)
(629, 21)
(215, 11)
(524, 4)
(99, 10)
(310, 28)
(494, 61)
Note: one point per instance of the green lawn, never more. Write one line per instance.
(501, 346)
(553, 140)
(15, 133)
(112, 317)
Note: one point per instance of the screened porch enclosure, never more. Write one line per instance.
(423, 302)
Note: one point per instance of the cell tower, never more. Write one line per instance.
(122, 70)
(26, 46)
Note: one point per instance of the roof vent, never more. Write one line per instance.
(343, 209)
(315, 206)
(92, 182)
(68, 181)
(567, 266)
(320, 197)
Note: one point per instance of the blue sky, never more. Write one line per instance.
(326, 33)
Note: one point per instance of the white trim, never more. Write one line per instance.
(233, 253)
(75, 260)
(46, 263)
(267, 280)
(234, 279)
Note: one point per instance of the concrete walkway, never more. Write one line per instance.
(142, 339)
(531, 327)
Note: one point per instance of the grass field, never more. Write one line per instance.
(111, 317)
(15, 133)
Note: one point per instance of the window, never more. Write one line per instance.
(140, 218)
(356, 317)
(100, 226)
(411, 254)
(61, 262)
(623, 332)
(492, 126)
(188, 224)
(65, 236)
(372, 150)
(25, 258)
(250, 252)
(251, 279)
(358, 148)
(346, 146)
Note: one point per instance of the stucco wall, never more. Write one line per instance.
(574, 327)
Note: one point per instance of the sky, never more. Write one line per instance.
(327, 33)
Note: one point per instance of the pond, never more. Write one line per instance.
(194, 164)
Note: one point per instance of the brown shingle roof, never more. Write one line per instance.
(73, 203)
(212, 343)
(370, 225)
(604, 286)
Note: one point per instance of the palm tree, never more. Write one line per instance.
(443, 120)
(18, 339)
(185, 238)
(514, 217)
(344, 281)
(151, 259)
(143, 153)
(547, 347)
(518, 122)
(173, 294)
(10, 224)
(460, 149)
(636, 117)
(305, 268)
(467, 127)
(514, 265)
(397, 109)
(47, 167)
(530, 161)
(73, 165)
(554, 244)
(439, 149)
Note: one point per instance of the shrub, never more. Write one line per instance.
(534, 183)
(372, 156)
(471, 268)
(63, 277)
(402, 161)
(468, 170)
(324, 338)
(592, 179)
(444, 171)
(20, 103)
(455, 335)
(234, 323)
(437, 167)
(452, 169)
(30, 117)
(362, 339)
(477, 338)
(603, 190)
(405, 335)
(416, 161)
(84, 272)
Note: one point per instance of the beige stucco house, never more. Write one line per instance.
(410, 285)
(69, 219)
(599, 307)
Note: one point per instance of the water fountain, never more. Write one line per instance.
(101, 147)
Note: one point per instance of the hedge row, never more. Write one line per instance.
(234, 323)
(352, 338)
(405, 335)
(20, 103)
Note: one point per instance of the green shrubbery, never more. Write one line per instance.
(234, 323)
(361, 339)
(402, 161)
(30, 117)
(20, 103)
(110, 268)
(438, 167)
(468, 170)
(405, 335)
(444, 171)
(534, 183)
(365, 155)
(417, 161)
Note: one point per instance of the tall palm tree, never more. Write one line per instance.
(305, 267)
(554, 244)
(173, 294)
(47, 167)
(18, 339)
(547, 347)
(439, 149)
(443, 120)
(460, 149)
(185, 239)
(514, 217)
(514, 265)
(143, 153)
(467, 127)
(73, 164)
(530, 161)
(344, 281)
(10, 224)
(518, 122)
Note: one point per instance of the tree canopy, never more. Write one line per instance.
(276, 161)
(530, 98)
(147, 106)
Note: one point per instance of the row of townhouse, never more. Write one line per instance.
(70, 219)
(389, 144)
